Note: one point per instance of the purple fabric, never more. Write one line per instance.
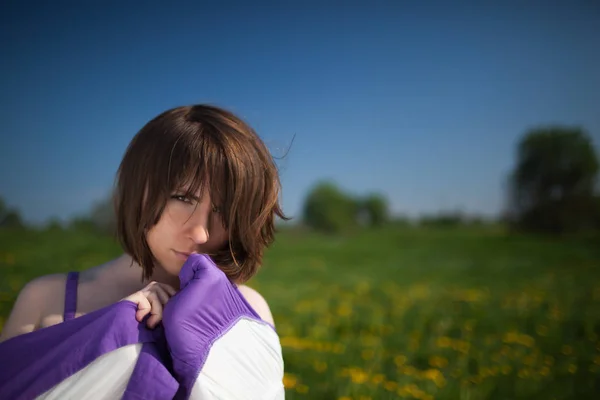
(71, 295)
(173, 354)
(43, 358)
(152, 378)
(205, 308)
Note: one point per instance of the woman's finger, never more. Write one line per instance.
(162, 294)
(150, 300)
(169, 289)
(160, 287)
(143, 305)
(156, 311)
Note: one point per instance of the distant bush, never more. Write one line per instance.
(329, 209)
(374, 209)
(443, 219)
(9, 217)
(100, 219)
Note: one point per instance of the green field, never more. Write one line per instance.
(414, 313)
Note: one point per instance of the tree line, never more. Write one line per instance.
(553, 188)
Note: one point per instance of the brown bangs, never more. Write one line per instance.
(191, 164)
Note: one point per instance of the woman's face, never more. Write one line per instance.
(187, 225)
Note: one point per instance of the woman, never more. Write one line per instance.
(194, 181)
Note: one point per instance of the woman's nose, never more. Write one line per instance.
(199, 233)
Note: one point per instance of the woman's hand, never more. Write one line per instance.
(151, 300)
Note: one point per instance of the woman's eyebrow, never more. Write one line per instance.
(186, 192)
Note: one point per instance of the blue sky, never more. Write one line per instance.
(424, 104)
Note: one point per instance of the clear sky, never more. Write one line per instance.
(424, 104)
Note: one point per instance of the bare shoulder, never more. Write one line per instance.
(32, 301)
(258, 303)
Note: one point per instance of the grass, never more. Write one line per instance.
(405, 313)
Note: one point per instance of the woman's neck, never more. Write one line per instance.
(130, 273)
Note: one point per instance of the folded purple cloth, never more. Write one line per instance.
(173, 354)
(35, 362)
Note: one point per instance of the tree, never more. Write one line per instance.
(9, 218)
(328, 209)
(101, 218)
(102, 215)
(375, 209)
(552, 188)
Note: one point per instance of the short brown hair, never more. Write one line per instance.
(184, 146)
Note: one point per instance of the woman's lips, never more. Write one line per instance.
(183, 255)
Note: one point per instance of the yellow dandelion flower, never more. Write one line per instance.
(363, 287)
(436, 376)
(368, 354)
(414, 344)
(344, 310)
(438, 362)
(319, 365)
(302, 388)
(529, 360)
(400, 359)
(338, 348)
(524, 373)
(518, 338)
(419, 292)
(289, 381)
(14, 283)
(541, 330)
(555, 313)
(359, 376)
(457, 373)
(377, 378)
(408, 370)
(462, 346)
(303, 307)
(469, 325)
(387, 329)
(412, 389)
(403, 391)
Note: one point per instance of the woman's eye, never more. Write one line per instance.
(181, 197)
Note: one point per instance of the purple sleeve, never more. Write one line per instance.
(206, 307)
